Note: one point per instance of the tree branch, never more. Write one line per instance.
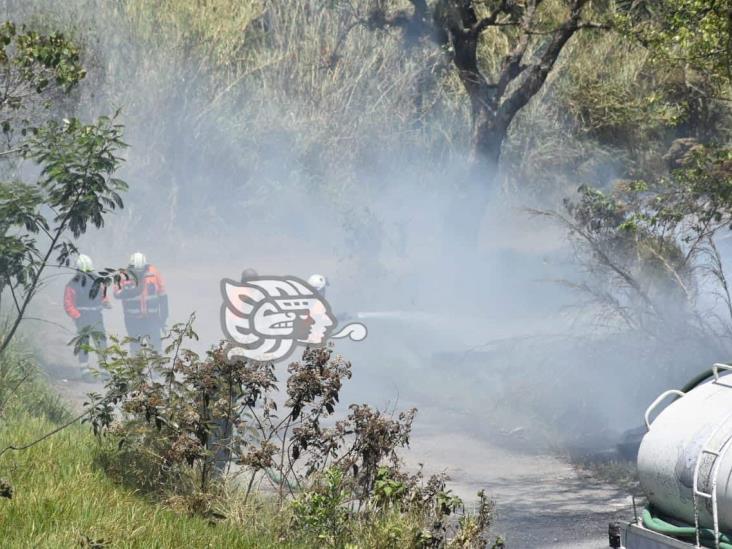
(538, 72)
(511, 67)
(15, 298)
(604, 258)
(11, 151)
(491, 20)
(583, 25)
(42, 265)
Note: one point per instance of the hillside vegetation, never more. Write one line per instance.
(405, 139)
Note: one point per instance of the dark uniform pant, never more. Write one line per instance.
(148, 328)
(92, 323)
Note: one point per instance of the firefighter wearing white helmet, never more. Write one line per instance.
(84, 302)
(84, 264)
(144, 302)
(138, 261)
(318, 283)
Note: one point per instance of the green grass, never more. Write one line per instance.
(73, 489)
(69, 491)
(62, 499)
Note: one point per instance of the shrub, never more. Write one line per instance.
(179, 421)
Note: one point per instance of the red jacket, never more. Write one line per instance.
(143, 296)
(77, 299)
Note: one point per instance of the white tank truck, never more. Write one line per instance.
(685, 468)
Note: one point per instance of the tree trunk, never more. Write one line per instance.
(487, 139)
(455, 26)
(487, 135)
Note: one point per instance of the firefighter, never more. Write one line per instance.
(144, 303)
(319, 283)
(84, 305)
(248, 274)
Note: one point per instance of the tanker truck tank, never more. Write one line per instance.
(685, 467)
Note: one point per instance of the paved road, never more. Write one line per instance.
(541, 500)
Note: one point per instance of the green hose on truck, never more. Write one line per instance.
(652, 517)
(654, 522)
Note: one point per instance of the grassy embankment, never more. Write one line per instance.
(68, 491)
(63, 498)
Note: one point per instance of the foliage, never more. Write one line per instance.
(259, 96)
(38, 71)
(216, 28)
(525, 64)
(32, 54)
(403, 511)
(78, 162)
(179, 406)
(626, 99)
(301, 78)
(80, 502)
(62, 498)
(167, 417)
(472, 527)
(308, 96)
(76, 186)
(695, 33)
(387, 490)
(649, 247)
(322, 514)
(81, 505)
(23, 389)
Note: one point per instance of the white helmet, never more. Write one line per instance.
(318, 282)
(138, 260)
(84, 263)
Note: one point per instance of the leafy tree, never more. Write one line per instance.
(650, 246)
(537, 37)
(76, 186)
(650, 251)
(696, 34)
(38, 72)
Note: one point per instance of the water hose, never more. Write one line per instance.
(653, 521)
(277, 478)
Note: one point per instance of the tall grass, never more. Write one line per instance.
(247, 98)
(23, 387)
(62, 499)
